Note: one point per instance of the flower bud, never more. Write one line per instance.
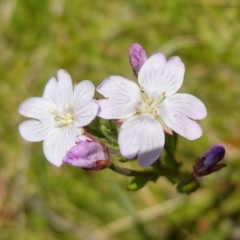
(208, 162)
(137, 57)
(88, 154)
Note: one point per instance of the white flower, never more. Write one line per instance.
(150, 108)
(59, 116)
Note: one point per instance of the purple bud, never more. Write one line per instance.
(88, 154)
(137, 57)
(208, 162)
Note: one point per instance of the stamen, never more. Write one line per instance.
(150, 100)
(62, 120)
(67, 106)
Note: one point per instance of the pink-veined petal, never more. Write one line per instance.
(112, 110)
(50, 88)
(86, 114)
(84, 107)
(58, 142)
(123, 95)
(162, 79)
(34, 130)
(83, 92)
(141, 135)
(186, 104)
(38, 108)
(64, 91)
(179, 122)
(150, 74)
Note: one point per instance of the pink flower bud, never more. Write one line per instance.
(137, 57)
(208, 162)
(88, 154)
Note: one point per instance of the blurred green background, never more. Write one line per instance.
(90, 39)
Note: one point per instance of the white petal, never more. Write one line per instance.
(123, 95)
(86, 113)
(112, 110)
(141, 135)
(186, 104)
(176, 119)
(84, 107)
(64, 90)
(50, 88)
(162, 78)
(34, 131)
(83, 92)
(58, 142)
(150, 73)
(38, 108)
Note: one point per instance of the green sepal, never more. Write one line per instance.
(140, 181)
(122, 159)
(93, 129)
(109, 130)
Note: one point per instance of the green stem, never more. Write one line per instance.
(164, 171)
(113, 150)
(172, 160)
(168, 172)
(186, 180)
(129, 172)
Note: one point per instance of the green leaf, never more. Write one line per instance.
(139, 182)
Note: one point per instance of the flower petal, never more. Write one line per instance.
(38, 108)
(141, 135)
(123, 95)
(150, 73)
(176, 119)
(159, 77)
(64, 91)
(50, 88)
(34, 131)
(84, 107)
(86, 114)
(186, 104)
(58, 142)
(83, 92)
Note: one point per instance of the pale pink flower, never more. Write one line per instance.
(58, 116)
(151, 107)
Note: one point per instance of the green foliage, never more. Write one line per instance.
(139, 182)
(109, 130)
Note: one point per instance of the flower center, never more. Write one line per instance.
(64, 119)
(149, 104)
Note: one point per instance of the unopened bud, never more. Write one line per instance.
(137, 57)
(88, 154)
(208, 162)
